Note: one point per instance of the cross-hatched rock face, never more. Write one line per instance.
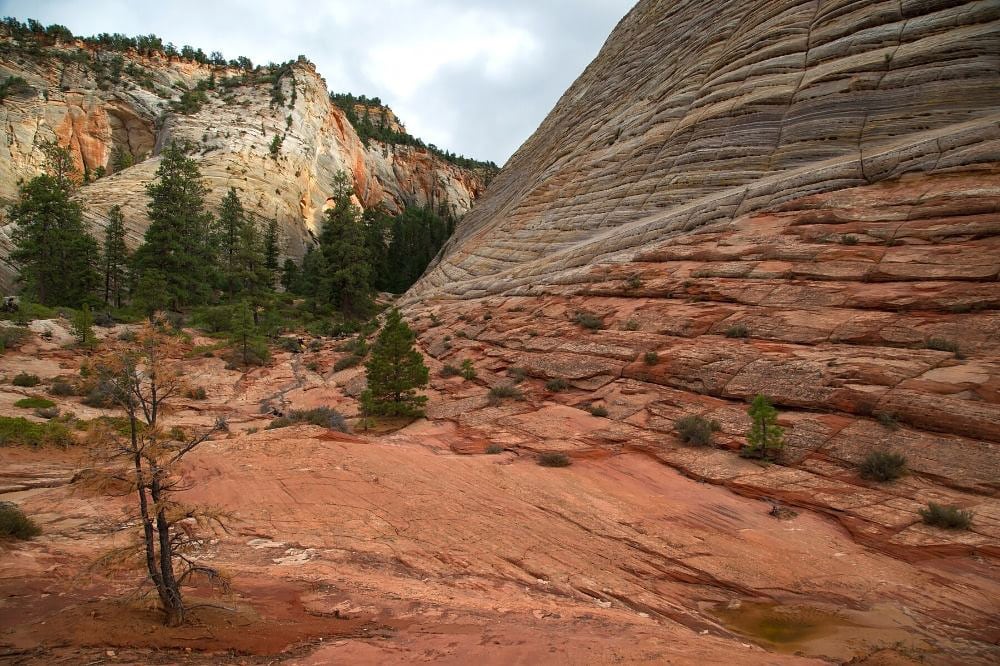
(696, 114)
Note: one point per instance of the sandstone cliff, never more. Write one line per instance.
(778, 196)
(116, 111)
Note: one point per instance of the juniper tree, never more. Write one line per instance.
(765, 438)
(52, 250)
(115, 258)
(394, 370)
(178, 243)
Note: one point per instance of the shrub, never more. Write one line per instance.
(325, 417)
(588, 321)
(462, 334)
(290, 345)
(517, 374)
(13, 522)
(696, 430)
(631, 325)
(738, 331)
(598, 410)
(498, 393)
(25, 380)
(849, 239)
(883, 466)
(196, 393)
(556, 385)
(34, 402)
(11, 336)
(47, 412)
(943, 344)
(494, 449)
(100, 396)
(554, 460)
(128, 335)
(633, 282)
(313, 366)
(948, 517)
(651, 358)
(21, 431)
(468, 370)
(348, 362)
(61, 388)
(450, 371)
(887, 420)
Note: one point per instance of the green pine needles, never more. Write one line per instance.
(395, 370)
(765, 438)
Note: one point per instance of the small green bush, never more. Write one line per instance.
(450, 371)
(47, 412)
(633, 282)
(588, 321)
(498, 393)
(631, 325)
(943, 344)
(738, 331)
(25, 380)
(948, 517)
(651, 358)
(554, 460)
(494, 449)
(196, 393)
(101, 396)
(556, 385)
(468, 370)
(62, 389)
(21, 431)
(290, 344)
(325, 417)
(13, 522)
(849, 239)
(518, 375)
(34, 402)
(11, 336)
(887, 420)
(348, 362)
(883, 466)
(696, 430)
(598, 410)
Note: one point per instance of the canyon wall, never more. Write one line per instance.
(785, 197)
(116, 117)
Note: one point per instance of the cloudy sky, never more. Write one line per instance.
(472, 76)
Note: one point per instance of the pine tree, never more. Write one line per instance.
(82, 325)
(347, 286)
(178, 243)
(248, 344)
(290, 276)
(229, 235)
(51, 248)
(115, 258)
(394, 370)
(271, 252)
(765, 438)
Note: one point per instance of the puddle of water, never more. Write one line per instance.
(781, 627)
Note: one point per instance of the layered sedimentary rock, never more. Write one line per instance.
(791, 198)
(115, 118)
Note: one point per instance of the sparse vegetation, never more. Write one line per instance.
(651, 358)
(598, 410)
(849, 239)
(494, 449)
(25, 380)
(196, 393)
(325, 417)
(696, 430)
(552, 459)
(948, 517)
(944, 344)
(21, 431)
(450, 371)
(631, 325)
(517, 374)
(633, 282)
(588, 321)
(14, 523)
(887, 420)
(500, 392)
(738, 331)
(34, 402)
(468, 370)
(11, 337)
(883, 466)
(62, 389)
(556, 385)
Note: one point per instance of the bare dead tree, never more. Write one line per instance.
(142, 377)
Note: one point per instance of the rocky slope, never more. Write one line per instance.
(111, 113)
(782, 197)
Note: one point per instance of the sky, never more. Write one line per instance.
(472, 76)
